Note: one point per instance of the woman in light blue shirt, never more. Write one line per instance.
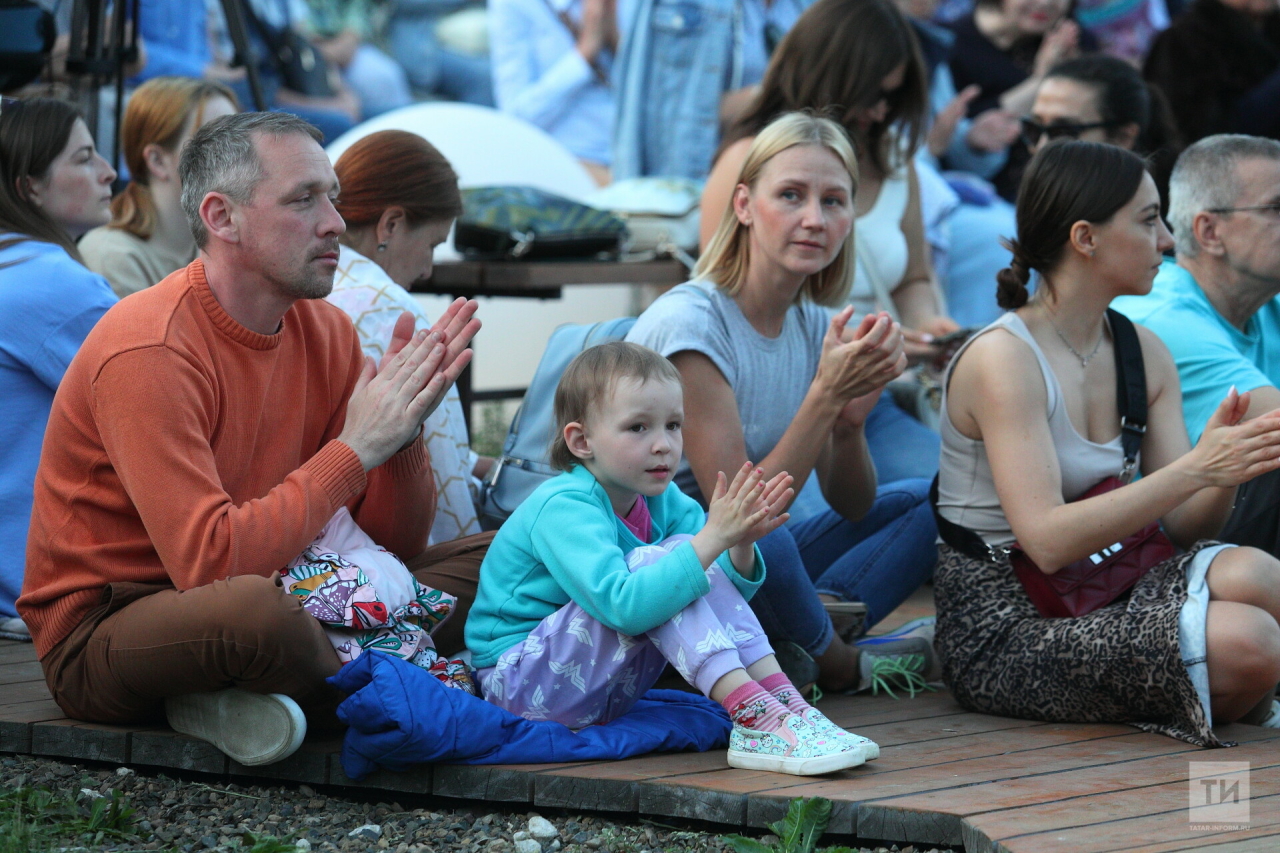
(53, 188)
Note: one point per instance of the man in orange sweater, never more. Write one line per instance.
(207, 430)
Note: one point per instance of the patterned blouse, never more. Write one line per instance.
(374, 302)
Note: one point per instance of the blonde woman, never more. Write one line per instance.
(770, 376)
(148, 236)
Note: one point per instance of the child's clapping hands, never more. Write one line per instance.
(740, 513)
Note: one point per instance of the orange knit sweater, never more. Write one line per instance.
(183, 447)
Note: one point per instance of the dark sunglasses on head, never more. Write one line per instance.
(1033, 130)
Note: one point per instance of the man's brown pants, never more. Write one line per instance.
(147, 642)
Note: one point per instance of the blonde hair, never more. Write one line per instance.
(591, 377)
(727, 256)
(158, 113)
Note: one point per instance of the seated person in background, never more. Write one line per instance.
(771, 376)
(206, 432)
(180, 37)
(341, 30)
(685, 72)
(955, 140)
(443, 46)
(607, 572)
(1031, 424)
(1103, 99)
(399, 199)
(1216, 308)
(964, 217)
(1219, 63)
(1005, 47)
(552, 60)
(1124, 28)
(861, 52)
(53, 188)
(148, 236)
(277, 17)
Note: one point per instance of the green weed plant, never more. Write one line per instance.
(798, 832)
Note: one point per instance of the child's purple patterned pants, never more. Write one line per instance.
(574, 670)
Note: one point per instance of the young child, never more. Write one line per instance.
(608, 572)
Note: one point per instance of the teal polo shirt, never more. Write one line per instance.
(1211, 354)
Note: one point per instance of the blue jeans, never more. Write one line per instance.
(330, 123)
(433, 67)
(879, 560)
(901, 446)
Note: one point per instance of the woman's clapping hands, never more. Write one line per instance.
(1232, 450)
(856, 362)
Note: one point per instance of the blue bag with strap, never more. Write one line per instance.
(525, 462)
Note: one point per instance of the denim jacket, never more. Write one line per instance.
(677, 58)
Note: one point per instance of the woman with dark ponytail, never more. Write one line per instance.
(1011, 283)
(1035, 480)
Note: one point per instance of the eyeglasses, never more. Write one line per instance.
(1274, 207)
(1032, 130)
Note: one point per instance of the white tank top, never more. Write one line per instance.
(966, 489)
(881, 253)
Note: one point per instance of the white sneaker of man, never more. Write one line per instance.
(251, 728)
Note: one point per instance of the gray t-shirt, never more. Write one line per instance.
(769, 376)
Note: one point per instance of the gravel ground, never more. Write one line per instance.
(194, 816)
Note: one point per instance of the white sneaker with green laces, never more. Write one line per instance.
(251, 728)
(903, 658)
(796, 748)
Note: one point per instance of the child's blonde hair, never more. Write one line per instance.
(725, 260)
(591, 378)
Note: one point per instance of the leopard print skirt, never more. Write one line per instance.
(1118, 664)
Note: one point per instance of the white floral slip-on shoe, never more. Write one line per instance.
(251, 728)
(817, 719)
(797, 748)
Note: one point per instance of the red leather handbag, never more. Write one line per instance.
(1101, 578)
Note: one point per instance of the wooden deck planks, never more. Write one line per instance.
(1164, 831)
(967, 760)
(19, 672)
(945, 776)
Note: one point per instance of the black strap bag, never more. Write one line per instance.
(301, 67)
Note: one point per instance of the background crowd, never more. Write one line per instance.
(934, 115)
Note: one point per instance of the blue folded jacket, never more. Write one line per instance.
(399, 715)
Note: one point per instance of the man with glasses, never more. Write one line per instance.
(1216, 307)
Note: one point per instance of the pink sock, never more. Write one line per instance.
(785, 692)
(753, 707)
